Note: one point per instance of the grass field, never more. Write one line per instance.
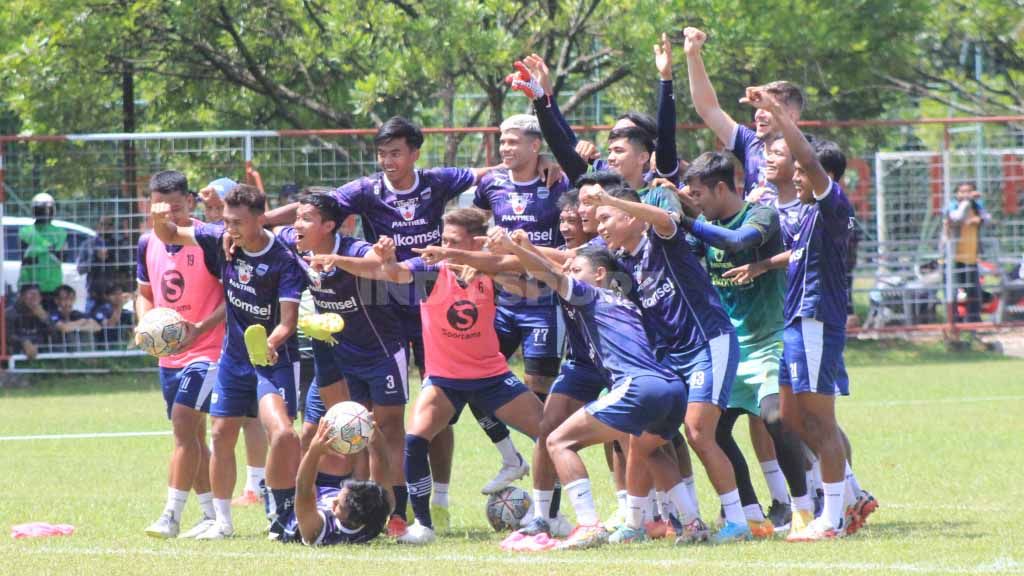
(937, 439)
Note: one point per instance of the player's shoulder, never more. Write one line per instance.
(353, 247)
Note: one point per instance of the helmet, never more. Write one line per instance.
(43, 206)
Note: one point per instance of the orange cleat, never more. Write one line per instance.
(247, 498)
(396, 526)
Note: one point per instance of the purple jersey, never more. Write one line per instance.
(681, 309)
(372, 326)
(255, 283)
(333, 531)
(816, 277)
(605, 329)
(750, 151)
(790, 215)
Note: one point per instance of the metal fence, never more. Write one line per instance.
(901, 178)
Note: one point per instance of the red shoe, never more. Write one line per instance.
(247, 498)
(396, 526)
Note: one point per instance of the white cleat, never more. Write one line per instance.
(560, 526)
(506, 476)
(417, 534)
(217, 531)
(200, 527)
(164, 527)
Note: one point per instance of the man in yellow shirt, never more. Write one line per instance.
(964, 220)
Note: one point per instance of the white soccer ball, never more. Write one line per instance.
(351, 425)
(160, 332)
(506, 508)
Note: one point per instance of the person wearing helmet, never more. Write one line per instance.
(41, 246)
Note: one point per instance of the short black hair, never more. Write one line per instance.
(604, 178)
(599, 257)
(168, 182)
(26, 287)
(645, 122)
(369, 506)
(787, 93)
(623, 192)
(398, 127)
(710, 168)
(321, 198)
(569, 199)
(831, 158)
(636, 136)
(64, 289)
(247, 196)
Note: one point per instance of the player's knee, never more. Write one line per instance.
(771, 412)
(700, 438)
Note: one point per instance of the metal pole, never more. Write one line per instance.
(883, 234)
(947, 195)
(3, 254)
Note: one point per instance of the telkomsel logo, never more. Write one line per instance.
(173, 285)
(462, 315)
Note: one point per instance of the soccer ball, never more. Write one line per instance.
(506, 508)
(160, 332)
(351, 425)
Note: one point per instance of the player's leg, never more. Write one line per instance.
(224, 432)
(387, 384)
(748, 497)
(863, 502)
(255, 463)
(789, 463)
(277, 391)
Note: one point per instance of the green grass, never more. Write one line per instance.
(937, 439)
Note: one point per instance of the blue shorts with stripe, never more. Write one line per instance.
(190, 386)
(812, 358)
(487, 395)
(644, 403)
(581, 382)
(540, 330)
(371, 376)
(709, 371)
(240, 387)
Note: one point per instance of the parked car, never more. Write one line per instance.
(77, 235)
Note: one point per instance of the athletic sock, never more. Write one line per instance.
(651, 511)
(206, 504)
(556, 499)
(582, 499)
(620, 497)
(176, 502)
(732, 508)
(636, 507)
(776, 481)
(417, 474)
(509, 455)
(253, 476)
(686, 508)
(283, 505)
(330, 480)
(804, 503)
(816, 475)
(440, 497)
(665, 508)
(542, 503)
(851, 479)
(691, 488)
(753, 513)
(833, 509)
(401, 500)
(494, 428)
(222, 511)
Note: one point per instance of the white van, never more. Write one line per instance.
(77, 235)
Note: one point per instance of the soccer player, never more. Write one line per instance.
(262, 286)
(570, 223)
(646, 404)
(690, 331)
(519, 199)
(367, 363)
(184, 279)
(748, 145)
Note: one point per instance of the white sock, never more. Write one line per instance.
(732, 507)
(685, 506)
(253, 477)
(664, 505)
(582, 499)
(809, 477)
(753, 513)
(851, 479)
(849, 497)
(542, 503)
(620, 495)
(636, 507)
(176, 502)
(206, 504)
(816, 475)
(440, 495)
(509, 455)
(652, 506)
(776, 481)
(222, 510)
(833, 511)
(804, 503)
(691, 488)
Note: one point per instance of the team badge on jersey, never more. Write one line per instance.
(407, 208)
(518, 201)
(262, 269)
(543, 192)
(244, 270)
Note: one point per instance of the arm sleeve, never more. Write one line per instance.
(351, 198)
(729, 240)
(453, 181)
(561, 146)
(354, 248)
(743, 138)
(208, 237)
(836, 211)
(563, 123)
(580, 293)
(292, 281)
(141, 271)
(666, 155)
(287, 237)
(480, 198)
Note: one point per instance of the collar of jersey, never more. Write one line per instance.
(265, 248)
(527, 183)
(640, 246)
(391, 188)
(789, 204)
(738, 216)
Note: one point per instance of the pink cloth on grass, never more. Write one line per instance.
(41, 530)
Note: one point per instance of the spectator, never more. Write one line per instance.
(42, 245)
(73, 330)
(104, 260)
(963, 225)
(28, 323)
(212, 197)
(108, 311)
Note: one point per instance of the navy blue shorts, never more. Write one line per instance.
(240, 387)
(412, 331)
(190, 386)
(812, 358)
(538, 329)
(581, 382)
(372, 378)
(646, 403)
(486, 395)
(708, 372)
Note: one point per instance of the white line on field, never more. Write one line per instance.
(87, 436)
(925, 401)
(996, 566)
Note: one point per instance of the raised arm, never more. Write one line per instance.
(705, 101)
(746, 273)
(311, 523)
(485, 262)
(168, 232)
(665, 155)
(798, 144)
(535, 264)
(664, 223)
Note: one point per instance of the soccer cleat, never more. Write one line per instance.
(851, 521)
(866, 505)
(164, 527)
(396, 526)
(200, 527)
(626, 535)
(657, 529)
(761, 530)
(819, 529)
(322, 326)
(583, 537)
(781, 515)
(217, 531)
(507, 475)
(441, 518)
(534, 527)
(417, 534)
(618, 518)
(256, 343)
(732, 532)
(560, 526)
(247, 498)
(695, 531)
(801, 519)
(538, 543)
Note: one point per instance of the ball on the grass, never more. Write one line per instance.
(351, 424)
(507, 507)
(160, 332)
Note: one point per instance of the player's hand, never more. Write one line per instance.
(695, 39)
(320, 262)
(191, 334)
(524, 82)
(757, 193)
(745, 274)
(271, 353)
(549, 169)
(498, 241)
(321, 441)
(520, 238)
(210, 198)
(758, 97)
(587, 150)
(593, 197)
(663, 57)
(385, 249)
(161, 213)
(228, 245)
(432, 254)
(688, 203)
(539, 70)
